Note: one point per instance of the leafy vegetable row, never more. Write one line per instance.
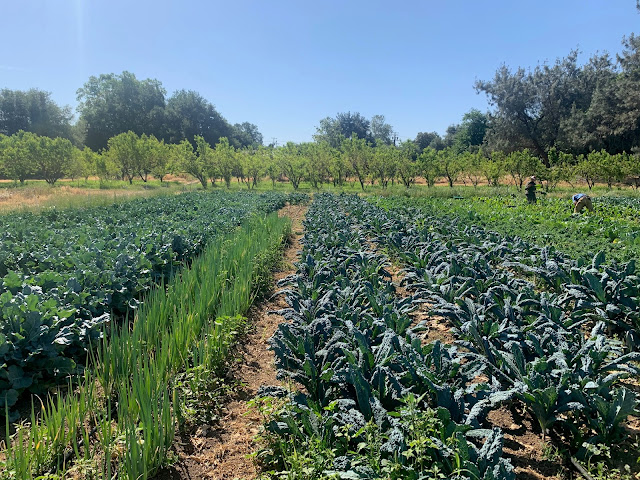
(614, 228)
(65, 273)
(552, 340)
(374, 402)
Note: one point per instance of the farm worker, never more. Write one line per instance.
(580, 201)
(530, 188)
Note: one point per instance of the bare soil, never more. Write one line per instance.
(221, 451)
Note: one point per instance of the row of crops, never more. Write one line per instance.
(66, 273)
(147, 378)
(614, 227)
(534, 329)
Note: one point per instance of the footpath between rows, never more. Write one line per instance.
(221, 451)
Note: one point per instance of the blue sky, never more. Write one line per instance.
(284, 65)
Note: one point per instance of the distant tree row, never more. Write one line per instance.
(565, 106)
(111, 104)
(129, 156)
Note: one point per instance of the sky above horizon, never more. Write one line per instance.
(285, 65)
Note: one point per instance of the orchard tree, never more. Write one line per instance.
(407, 167)
(319, 158)
(147, 156)
(339, 169)
(4, 148)
(522, 164)
(105, 167)
(159, 156)
(384, 163)
(588, 168)
(450, 165)
(292, 163)
(269, 163)
(254, 166)
(493, 168)
(203, 162)
(192, 163)
(19, 153)
(225, 160)
(611, 168)
(428, 165)
(84, 163)
(124, 151)
(472, 166)
(562, 168)
(53, 158)
(358, 153)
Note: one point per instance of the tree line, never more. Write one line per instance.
(129, 156)
(111, 104)
(563, 118)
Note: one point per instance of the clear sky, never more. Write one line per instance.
(284, 65)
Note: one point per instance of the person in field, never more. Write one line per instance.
(582, 201)
(530, 188)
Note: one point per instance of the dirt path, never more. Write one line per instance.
(220, 451)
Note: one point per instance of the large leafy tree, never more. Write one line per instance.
(189, 114)
(344, 125)
(111, 104)
(472, 130)
(428, 139)
(381, 132)
(591, 122)
(530, 105)
(247, 135)
(575, 108)
(33, 111)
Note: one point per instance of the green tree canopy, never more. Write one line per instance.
(112, 104)
(576, 108)
(33, 111)
(428, 139)
(247, 135)
(381, 132)
(53, 158)
(189, 114)
(18, 153)
(344, 125)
